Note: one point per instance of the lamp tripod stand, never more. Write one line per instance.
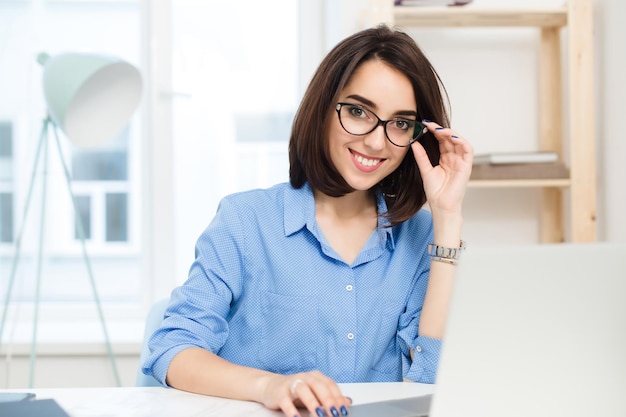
(41, 156)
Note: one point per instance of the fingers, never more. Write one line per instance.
(451, 144)
(449, 140)
(316, 392)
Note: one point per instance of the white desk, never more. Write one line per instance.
(163, 402)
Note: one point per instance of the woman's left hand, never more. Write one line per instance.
(445, 184)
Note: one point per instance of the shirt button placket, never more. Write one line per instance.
(349, 288)
(350, 325)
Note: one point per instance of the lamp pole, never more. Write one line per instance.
(43, 145)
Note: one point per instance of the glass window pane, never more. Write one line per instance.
(263, 126)
(108, 162)
(116, 217)
(6, 151)
(6, 217)
(83, 204)
(236, 74)
(100, 166)
(6, 139)
(242, 90)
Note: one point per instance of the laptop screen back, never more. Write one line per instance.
(536, 331)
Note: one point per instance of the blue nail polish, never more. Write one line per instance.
(334, 412)
(439, 128)
(344, 410)
(426, 120)
(320, 412)
(454, 137)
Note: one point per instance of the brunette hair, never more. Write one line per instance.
(308, 145)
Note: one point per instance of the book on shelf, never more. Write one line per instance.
(524, 171)
(500, 158)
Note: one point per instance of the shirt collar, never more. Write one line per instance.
(299, 209)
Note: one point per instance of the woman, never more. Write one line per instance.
(330, 278)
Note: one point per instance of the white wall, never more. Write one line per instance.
(491, 77)
(64, 365)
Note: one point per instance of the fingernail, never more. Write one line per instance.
(426, 120)
(439, 128)
(334, 412)
(454, 137)
(344, 410)
(320, 412)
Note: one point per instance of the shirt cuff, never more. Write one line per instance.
(423, 367)
(159, 368)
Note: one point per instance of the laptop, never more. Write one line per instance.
(533, 330)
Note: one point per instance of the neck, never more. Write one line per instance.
(354, 204)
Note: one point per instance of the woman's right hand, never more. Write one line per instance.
(312, 390)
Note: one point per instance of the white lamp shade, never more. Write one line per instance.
(90, 97)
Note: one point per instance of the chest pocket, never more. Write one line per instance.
(287, 342)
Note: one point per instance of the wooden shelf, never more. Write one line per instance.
(469, 16)
(551, 183)
(577, 17)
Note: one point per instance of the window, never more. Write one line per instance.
(236, 81)
(105, 181)
(222, 82)
(104, 174)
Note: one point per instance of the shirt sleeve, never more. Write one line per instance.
(197, 313)
(423, 366)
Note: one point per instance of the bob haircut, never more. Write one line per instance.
(309, 159)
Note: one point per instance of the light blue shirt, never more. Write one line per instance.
(267, 291)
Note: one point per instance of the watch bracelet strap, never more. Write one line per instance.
(445, 260)
(436, 251)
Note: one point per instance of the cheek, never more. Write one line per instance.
(398, 156)
(337, 137)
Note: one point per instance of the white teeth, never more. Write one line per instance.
(367, 162)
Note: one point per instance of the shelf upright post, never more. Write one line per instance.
(581, 121)
(551, 128)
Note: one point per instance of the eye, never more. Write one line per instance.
(358, 112)
(402, 124)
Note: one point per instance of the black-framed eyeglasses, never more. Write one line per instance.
(357, 120)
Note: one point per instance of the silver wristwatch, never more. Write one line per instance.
(444, 252)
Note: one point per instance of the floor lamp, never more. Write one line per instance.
(90, 98)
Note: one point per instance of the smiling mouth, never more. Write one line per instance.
(367, 162)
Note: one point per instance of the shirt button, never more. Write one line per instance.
(349, 287)
(418, 348)
(350, 336)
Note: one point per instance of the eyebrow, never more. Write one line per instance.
(371, 104)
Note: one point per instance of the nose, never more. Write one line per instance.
(376, 139)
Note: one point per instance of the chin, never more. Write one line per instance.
(362, 185)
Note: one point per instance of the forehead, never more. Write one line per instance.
(385, 86)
